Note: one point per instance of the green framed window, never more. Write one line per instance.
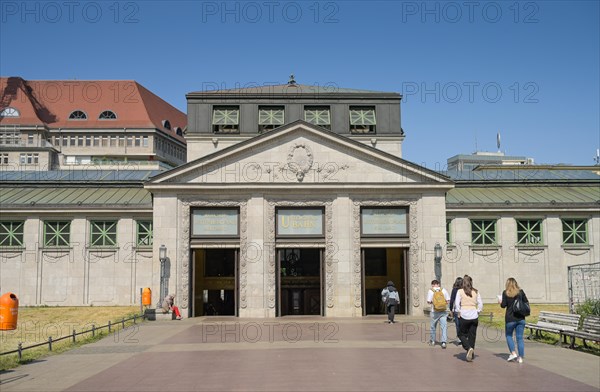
(270, 117)
(529, 232)
(448, 231)
(11, 233)
(226, 119)
(103, 233)
(145, 233)
(57, 233)
(362, 120)
(574, 231)
(318, 115)
(483, 232)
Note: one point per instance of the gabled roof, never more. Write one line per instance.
(524, 195)
(341, 141)
(293, 90)
(525, 173)
(72, 177)
(75, 197)
(50, 102)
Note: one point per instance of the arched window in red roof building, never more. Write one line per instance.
(9, 112)
(78, 115)
(107, 115)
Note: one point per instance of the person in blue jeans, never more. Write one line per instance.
(514, 322)
(438, 298)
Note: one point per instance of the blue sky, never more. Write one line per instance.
(529, 70)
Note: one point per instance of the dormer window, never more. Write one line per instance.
(178, 131)
(270, 117)
(78, 115)
(10, 112)
(318, 115)
(166, 124)
(362, 120)
(226, 119)
(107, 115)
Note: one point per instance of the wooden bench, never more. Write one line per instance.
(558, 323)
(590, 330)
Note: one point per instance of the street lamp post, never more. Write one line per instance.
(437, 258)
(162, 256)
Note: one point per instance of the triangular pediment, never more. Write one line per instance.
(300, 153)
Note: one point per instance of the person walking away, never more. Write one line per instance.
(469, 305)
(168, 304)
(457, 286)
(514, 322)
(438, 298)
(390, 298)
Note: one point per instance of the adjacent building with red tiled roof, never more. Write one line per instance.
(53, 124)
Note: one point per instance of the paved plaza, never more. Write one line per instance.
(301, 354)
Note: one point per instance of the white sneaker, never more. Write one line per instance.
(520, 360)
(470, 355)
(512, 357)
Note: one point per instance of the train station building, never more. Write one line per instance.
(294, 200)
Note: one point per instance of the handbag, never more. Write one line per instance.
(520, 307)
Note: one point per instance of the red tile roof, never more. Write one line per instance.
(50, 102)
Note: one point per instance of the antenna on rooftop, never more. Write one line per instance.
(476, 148)
(292, 81)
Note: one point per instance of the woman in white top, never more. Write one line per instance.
(468, 304)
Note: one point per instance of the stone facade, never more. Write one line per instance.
(78, 274)
(540, 269)
(300, 166)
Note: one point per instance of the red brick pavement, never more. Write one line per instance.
(301, 355)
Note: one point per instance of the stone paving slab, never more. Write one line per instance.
(301, 354)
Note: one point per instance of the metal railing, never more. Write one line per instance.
(584, 283)
(73, 336)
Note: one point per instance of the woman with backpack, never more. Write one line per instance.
(468, 304)
(457, 286)
(514, 322)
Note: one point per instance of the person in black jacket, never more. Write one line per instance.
(457, 286)
(514, 322)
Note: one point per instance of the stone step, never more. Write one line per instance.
(158, 314)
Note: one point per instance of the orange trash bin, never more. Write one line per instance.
(9, 311)
(146, 296)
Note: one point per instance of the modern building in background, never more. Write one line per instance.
(464, 162)
(294, 200)
(68, 124)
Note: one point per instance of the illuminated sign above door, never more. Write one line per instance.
(300, 222)
(215, 222)
(385, 222)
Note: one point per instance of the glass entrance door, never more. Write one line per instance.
(381, 265)
(215, 282)
(299, 283)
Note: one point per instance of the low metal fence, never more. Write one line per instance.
(74, 335)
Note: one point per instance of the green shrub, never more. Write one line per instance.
(591, 307)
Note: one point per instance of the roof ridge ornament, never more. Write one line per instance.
(292, 81)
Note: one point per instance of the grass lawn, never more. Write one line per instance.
(551, 338)
(498, 318)
(36, 324)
